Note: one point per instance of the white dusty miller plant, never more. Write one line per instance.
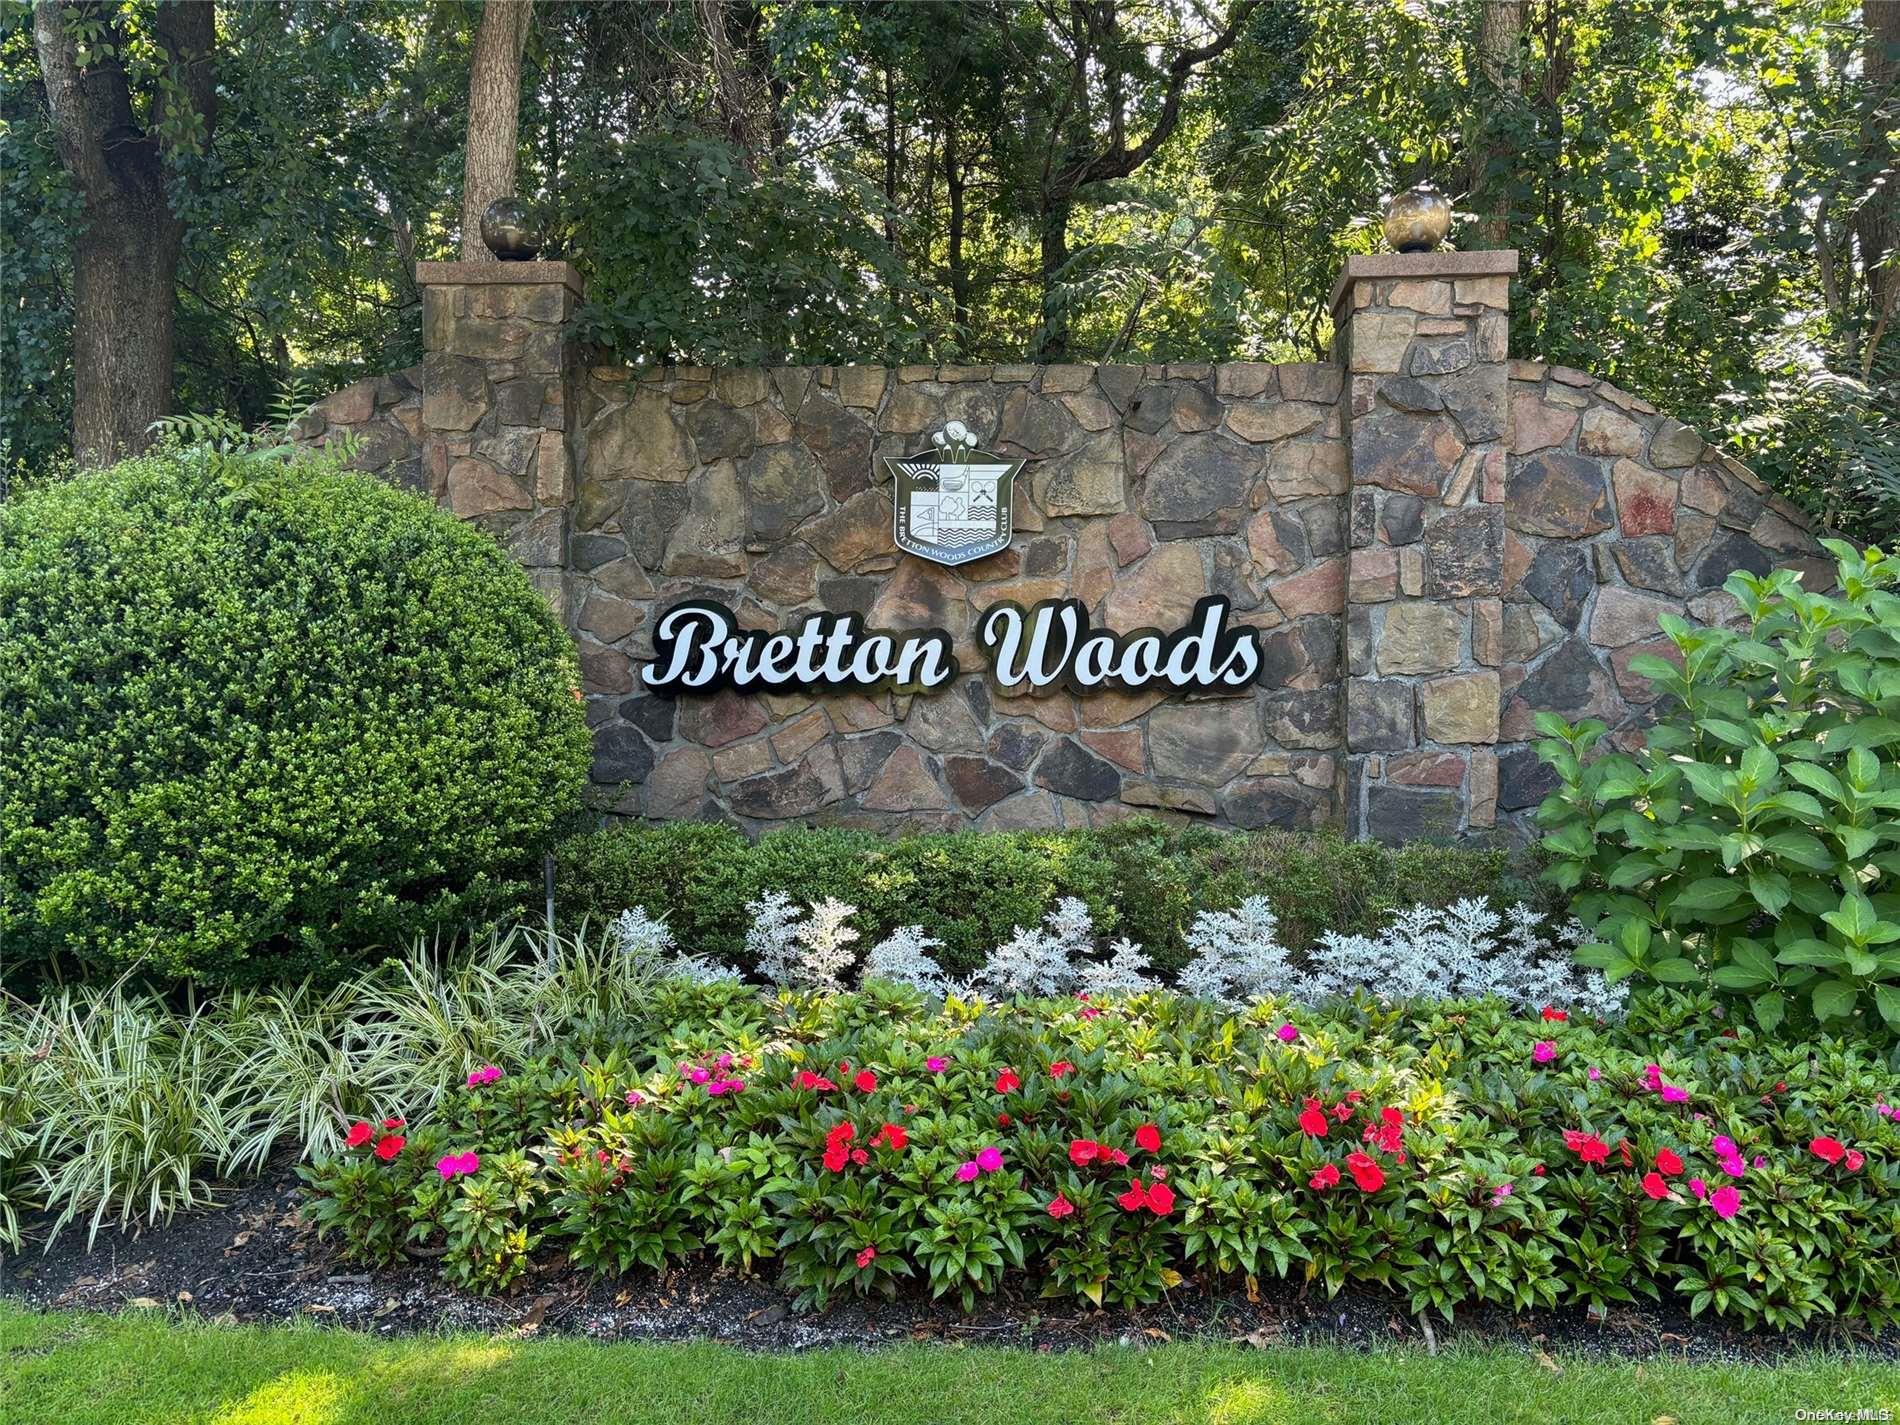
(647, 941)
(808, 954)
(1060, 958)
(904, 958)
(1464, 951)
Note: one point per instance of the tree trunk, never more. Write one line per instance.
(1052, 337)
(959, 269)
(125, 256)
(1877, 225)
(494, 109)
(1499, 86)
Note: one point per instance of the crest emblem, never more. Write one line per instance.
(952, 503)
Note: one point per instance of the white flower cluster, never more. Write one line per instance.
(648, 941)
(1464, 951)
(810, 953)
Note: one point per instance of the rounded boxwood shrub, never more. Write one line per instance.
(259, 720)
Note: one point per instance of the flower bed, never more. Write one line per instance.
(1102, 1148)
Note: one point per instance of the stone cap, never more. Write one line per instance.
(499, 274)
(1372, 267)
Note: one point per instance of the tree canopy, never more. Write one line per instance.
(1704, 194)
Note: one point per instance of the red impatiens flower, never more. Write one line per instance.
(1556, 1016)
(808, 1080)
(390, 1125)
(1343, 1111)
(837, 1150)
(1083, 1151)
(1002, 1120)
(1667, 1162)
(1388, 1134)
(891, 1136)
(1327, 1176)
(866, 1257)
(1148, 1138)
(1061, 1067)
(1654, 1185)
(1007, 1082)
(1365, 1172)
(1854, 1160)
(860, 1157)
(359, 1134)
(1828, 1150)
(389, 1145)
(865, 1082)
(1060, 1207)
(1586, 1146)
(1313, 1119)
(1158, 1199)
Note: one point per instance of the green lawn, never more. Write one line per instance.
(76, 1370)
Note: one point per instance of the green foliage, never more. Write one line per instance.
(1753, 842)
(973, 889)
(264, 720)
(1464, 1171)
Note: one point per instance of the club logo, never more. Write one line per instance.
(951, 504)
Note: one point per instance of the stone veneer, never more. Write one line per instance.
(1433, 540)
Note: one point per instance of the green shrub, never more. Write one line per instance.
(1437, 1153)
(972, 889)
(257, 720)
(1753, 843)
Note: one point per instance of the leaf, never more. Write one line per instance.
(1834, 999)
(1708, 893)
(1676, 970)
(1887, 997)
(1770, 1010)
(1770, 890)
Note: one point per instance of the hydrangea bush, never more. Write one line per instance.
(1103, 1149)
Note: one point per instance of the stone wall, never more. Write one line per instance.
(1146, 488)
(1434, 541)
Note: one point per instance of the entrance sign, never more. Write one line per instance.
(1053, 643)
(699, 647)
(951, 505)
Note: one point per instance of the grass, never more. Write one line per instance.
(142, 1367)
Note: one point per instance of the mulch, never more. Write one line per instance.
(255, 1259)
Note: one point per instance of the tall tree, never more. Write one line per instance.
(1111, 79)
(127, 242)
(1496, 95)
(494, 109)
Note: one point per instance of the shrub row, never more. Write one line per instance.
(972, 890)
(1104, 1149)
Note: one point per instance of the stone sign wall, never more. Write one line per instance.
(1432, 541)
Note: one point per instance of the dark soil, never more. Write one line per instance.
(254, 1259)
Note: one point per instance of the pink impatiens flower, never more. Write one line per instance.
(990, 1159)
(936, 1064)
(1543, 1051)
(456, 1165)
(485, 1075)
(1593, 1073)
(967, 1171)
(1726, 1201)
(1060, 1207)
(866, 1257)
(1287, 1033)
(1672, 1094)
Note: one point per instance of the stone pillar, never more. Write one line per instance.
(499, 389)
(1423, 339)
